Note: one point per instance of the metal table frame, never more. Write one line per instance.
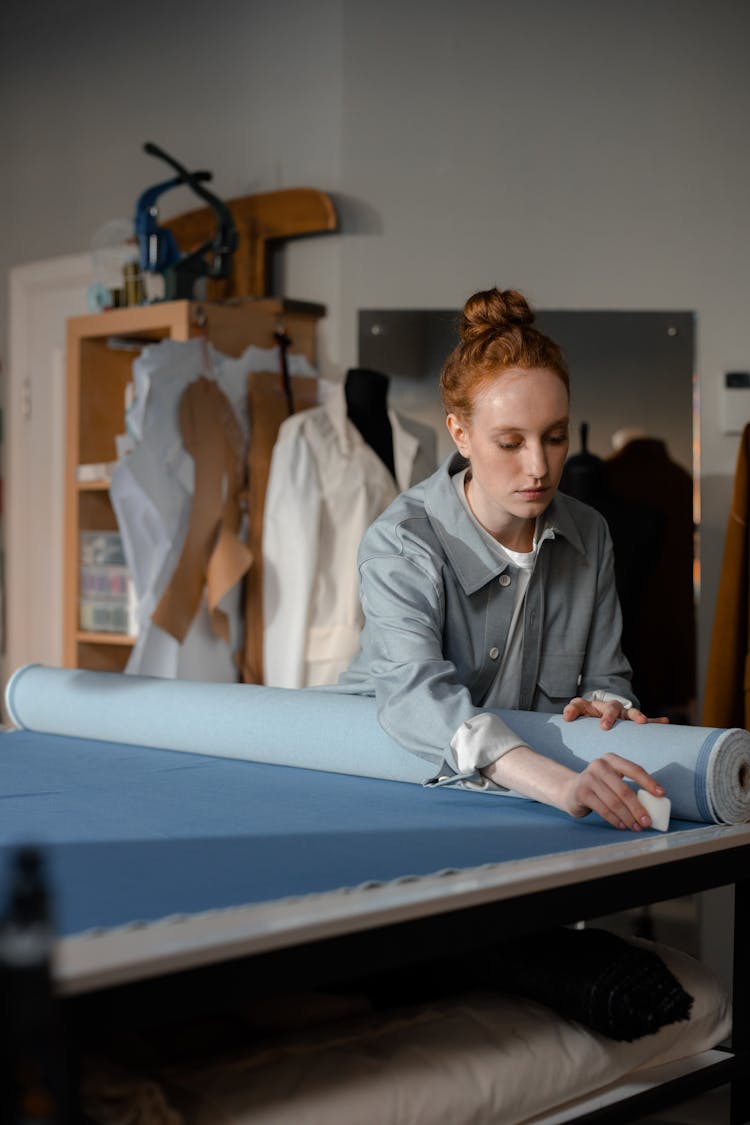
(323, 940)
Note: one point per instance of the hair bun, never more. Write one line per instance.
(493, 311)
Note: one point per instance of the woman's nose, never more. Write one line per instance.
(536, 462)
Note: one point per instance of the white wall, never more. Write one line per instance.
(248, 90)
(590, 153)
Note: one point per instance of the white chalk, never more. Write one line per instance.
(658, 808)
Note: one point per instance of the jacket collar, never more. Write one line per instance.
(405, 444)
(471, 558)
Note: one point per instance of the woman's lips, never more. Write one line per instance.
(533, 493)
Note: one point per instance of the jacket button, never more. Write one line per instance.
(504, 580)
(494, 653)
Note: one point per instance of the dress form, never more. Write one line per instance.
(367, 408)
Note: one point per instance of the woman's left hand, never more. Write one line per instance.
(608, 713)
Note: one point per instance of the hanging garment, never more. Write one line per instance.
(152, 492)
(366, 394)
(727, 695)
(325, 488)
(213, 554)
(650, 513)
(638, 534)
(584, 476)
(268, 400)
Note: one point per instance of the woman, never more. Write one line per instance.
(484, 588)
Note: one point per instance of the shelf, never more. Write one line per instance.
(93, 485)
(104, 638)
(147, 324)
(99, 363)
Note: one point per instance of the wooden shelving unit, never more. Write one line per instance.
(100, 352)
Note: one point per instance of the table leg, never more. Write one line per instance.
(740, 1101)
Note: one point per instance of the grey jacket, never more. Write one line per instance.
(438, 606)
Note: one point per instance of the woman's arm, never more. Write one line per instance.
(421, 698)
(599, 788)
(424, 705)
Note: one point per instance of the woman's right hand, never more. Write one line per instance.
(600, 788)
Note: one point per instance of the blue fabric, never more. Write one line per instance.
(136, 834)
(320, 730)
(702, 769)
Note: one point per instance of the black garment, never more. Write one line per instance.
(367, 407)
(639, 528)
(659, 622)
(621, 990)
(616, 987)
(583, 475)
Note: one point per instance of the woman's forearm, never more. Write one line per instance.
(530, 773)
(600, 787)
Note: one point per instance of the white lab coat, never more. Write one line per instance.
(325, 488)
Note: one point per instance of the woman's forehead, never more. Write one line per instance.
(517, 396)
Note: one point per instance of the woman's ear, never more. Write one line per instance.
(460, 434)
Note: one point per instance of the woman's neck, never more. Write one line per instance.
(513, 532)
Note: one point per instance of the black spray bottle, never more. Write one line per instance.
(35, 1076)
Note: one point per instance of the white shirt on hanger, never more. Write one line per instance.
(326, 486)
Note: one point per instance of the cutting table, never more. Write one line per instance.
(172, 870)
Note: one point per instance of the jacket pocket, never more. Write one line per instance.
(559, 676)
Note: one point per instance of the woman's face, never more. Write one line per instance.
(517, 443)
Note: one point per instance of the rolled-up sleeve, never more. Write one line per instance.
(481, 740)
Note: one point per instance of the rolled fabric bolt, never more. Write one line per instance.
(658, 808)
(705, 770)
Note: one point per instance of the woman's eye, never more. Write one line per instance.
(557, 439)
(509, 444)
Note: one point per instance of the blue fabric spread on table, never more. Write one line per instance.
(136, 834)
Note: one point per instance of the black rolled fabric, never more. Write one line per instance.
(616, 987)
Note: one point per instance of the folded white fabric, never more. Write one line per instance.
(470, 1058)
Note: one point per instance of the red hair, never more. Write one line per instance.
(496, 332)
